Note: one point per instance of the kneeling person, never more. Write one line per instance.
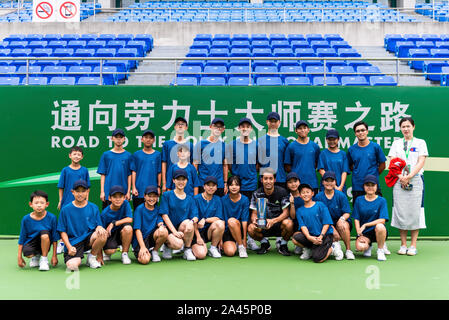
(211, 225)
(150, 232)
(117, 218)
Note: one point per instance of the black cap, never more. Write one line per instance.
(151, 189)
(292, 175)
(210, 179)
(180, 173)
(217, 120)
(329, 174)
(116, 189)
(273, 115)
(80, 183)
(332, 133)
(181, 119)
(304, 185)
(149, 131)
(243, 120)
(370, 179)
(300, 123)
(118, 131)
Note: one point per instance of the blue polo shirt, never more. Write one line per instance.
(238, 210)
(146, 221)
(193, 181)
(337, 206)
(271, 152)
(67, 179)
(368, 211)
(177, 209)
(209, 209)
(108, 215)
(243, 160)
(366, 160)
(314, 218)
(147, 167)
(336, 162)
(170, 154)
(31, 228)
(303, 159)
(79, 223)
(209, 157)
(116, 167)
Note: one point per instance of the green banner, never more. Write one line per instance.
(40, 125)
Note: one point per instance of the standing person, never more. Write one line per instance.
(340, 211)
(335, 160)
(81, 229)
(241, 156)
(211, 225)
(170, 155)
(183, 163)
(150, 232)
(146, 168)
(301, 156)
(117, 219)
(408, 192)
(236, 215)
(370, 215)
(38, 233)
(315, 232)
(115, 168)
(180, 213)
(277, 212)
(364, 158)
(271, 149)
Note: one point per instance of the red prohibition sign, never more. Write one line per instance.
(44, 10)
(68, 10)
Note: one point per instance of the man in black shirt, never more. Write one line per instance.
(278, 224)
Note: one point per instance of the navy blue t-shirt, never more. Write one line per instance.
(336, 162)
(67, 179)
(30, 228)
(147, 167)
(243, 160)
(177, 209)
(146, 221)
(273, 158)
(209, 157)
(366, 160)
(238, 210)
(314, 218)
(209, 209)
(116, 167)
(193, 181)
(303, 159)
(108, 215)
(337, 206)
(367, 211)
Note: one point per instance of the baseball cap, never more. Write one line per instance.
(149, 131)
(300, 123)
(273, 115)
(151, 189)
(181, 119)
(80, 183)
(180, 173)
(292, 175)
(118, 131)
(243, 120)
(329, 174)
(116, 189)
(332, 133)
(370, 179)
(304, 185)
(210, 179)
(217, 120)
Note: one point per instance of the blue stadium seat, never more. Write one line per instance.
(69, 37)
(139, 45)
(53, 71)
(290, 71)
(89, 81)
(128, 52)
(295, 37)
(41, 52)
(33, 71)
(240, 52)
(9, 81)
(213, 80)
(262, 52)
(239, 80)
(368, 71)
(76, 44)
(342, 71)
(36, 44)
(260, 44)
(328, 81)
(80, 71)
(268, 80)
(332, 37)
(96, 44)
(277, 37)
(106, 37)
(295, 44)
(197, 53)
(84, 52)
(219, 52)
(124, 37)
(222, 37)
(17, 44)
(297, 81)
(315, 71)
(444, 77)
(348, 52)
(403, 47)
(116, 44)
(70, 81)
(108, 74)
(326, 52)
(283, 52)
(88, 37)
(215, 69)
(434, 67)
(354, 81)
(5, 52)
(339, 44)
(44, 63)
(54, 44)
(105, 52)
(68, 63)
(305, 52)
(33, 81)
(20, 53)
(418, 53)
(7, 71)
(315, 44)
(382, 81)
(217, 62)
(358, 63)
(314, 37)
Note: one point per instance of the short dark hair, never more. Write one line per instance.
(76, 148)
(360, 123)
(39, 193)
(233, 179)
(409, 119)
(268, 170)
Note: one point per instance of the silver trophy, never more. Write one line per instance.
(261, 213)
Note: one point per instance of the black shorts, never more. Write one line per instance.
(227, 236)
(318, 252)
(115, 239)
(33, 247)
(203, 234)
(137, 202)
(81, 247)
(149, 243)
(295, 224)
(219, 192)
(248, 194)
(336, 220)
(274, 231)
(371, 235)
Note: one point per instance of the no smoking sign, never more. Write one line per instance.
(56, 10)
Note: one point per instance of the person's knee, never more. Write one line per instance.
(287, 224)
(229, 250)
(73, 264)
(127, 230)
(200, 252)
(162, 233)
(110, 251)
(188, 227)
(45, 236)
(218, 225)
(145, 260)
(380, 228)
(361, 246)
(233, 223)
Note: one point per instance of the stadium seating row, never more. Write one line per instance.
(57, 80)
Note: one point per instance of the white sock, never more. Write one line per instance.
(212, 247)
(44, 258)
(241, 246)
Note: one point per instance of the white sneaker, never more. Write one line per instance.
(349, 255)
(402, 250)
(125, 258)
(155, 256)
(188, 255)
(367, 253)
(386, 251)
(298, 250)
(381, 255)
(166, 252)
(412, 251)
(34, 262)
(106, 257)
(306, 254)
(338, 254)
(43, 264)
(60, 247)
(242, 252)
(252, 245)
(336, 245)
(214, 253)
(92, 262)
(178, 250)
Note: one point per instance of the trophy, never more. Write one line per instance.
(261, 213)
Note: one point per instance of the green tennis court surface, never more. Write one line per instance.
(269, 276)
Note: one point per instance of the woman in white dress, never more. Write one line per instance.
(408, 192)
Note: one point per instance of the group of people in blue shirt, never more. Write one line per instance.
(189, 195)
